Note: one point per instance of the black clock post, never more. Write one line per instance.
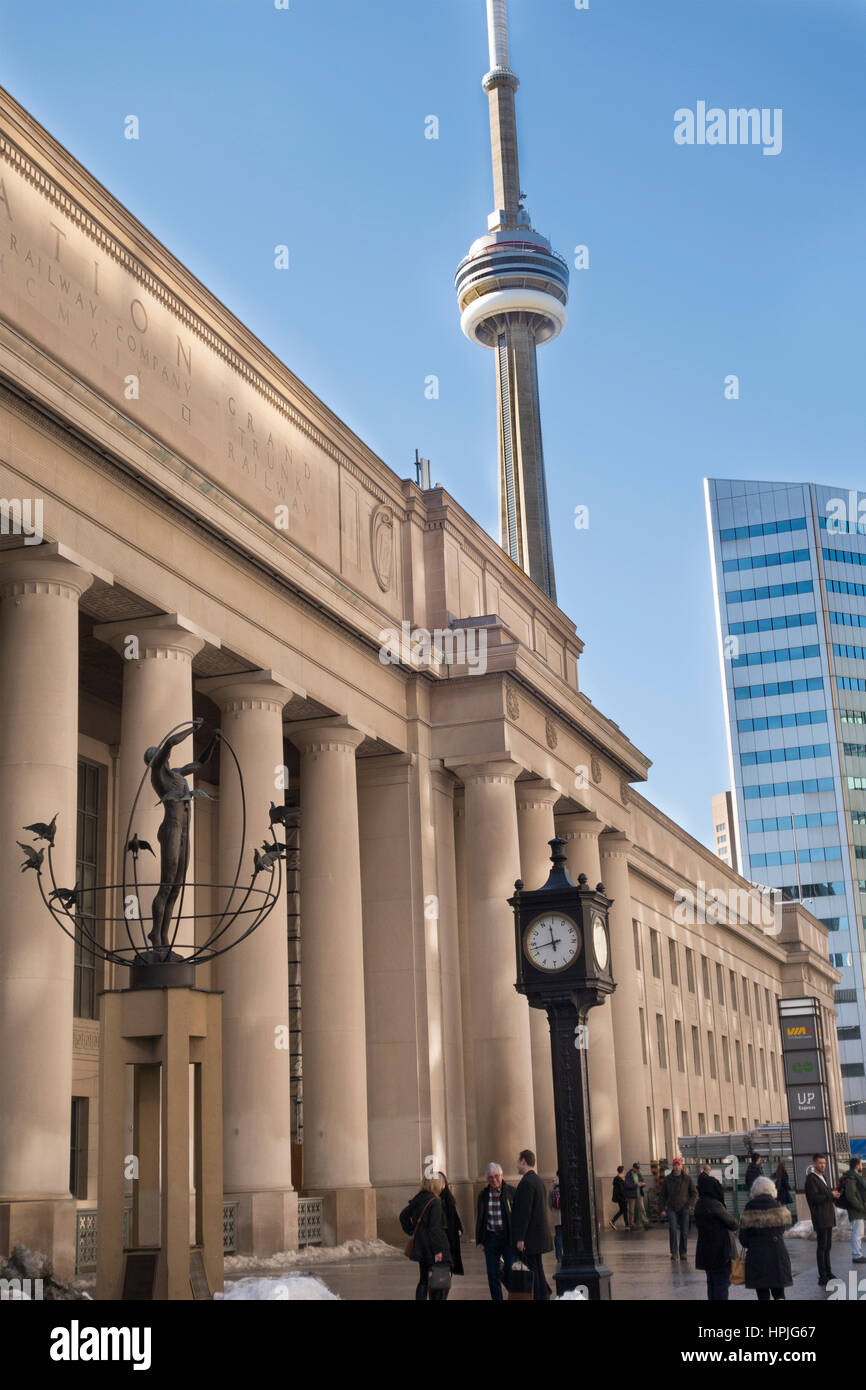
(563, 966)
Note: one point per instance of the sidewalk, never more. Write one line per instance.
(639, 1262)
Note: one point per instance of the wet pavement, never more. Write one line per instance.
(638, 1260)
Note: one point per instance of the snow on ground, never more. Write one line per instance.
(804, 1230)
(299, 1288)
(311, 1255)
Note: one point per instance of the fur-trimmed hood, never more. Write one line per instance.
(765, 1214)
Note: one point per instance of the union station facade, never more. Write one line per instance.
(215, 542)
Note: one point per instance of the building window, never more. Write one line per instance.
(696, 1051)
(654, 952)
(705, 975)
(660, 1039)
(730, 1124)
(726, 1058)
(635, 928)
(773, 1071)
(767, 1002)
(711, 1053)
(86, 870)
(739, 1051)
(690, 969)
(720, 983)
(684, 1121)
(78, 1147)
(745, 1124)
(717, 1124)
(702, 1123)
(678, 1036)
(753, 1076)
(763, 1068)
(669, 1134)
(745, 996)
(732, 986)
(758, 1003)
(642, 1035)
(672, 956)
(852, 1069)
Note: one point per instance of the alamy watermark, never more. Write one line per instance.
(418, 646)
(739, 125)
(22, 517)
(757, 906)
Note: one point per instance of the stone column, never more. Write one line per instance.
(501, 1047)
(157, 695)
(535, 803)
(336, 1149)
(254, 975)
(631, 1075)
(39, 593)
(581, 833)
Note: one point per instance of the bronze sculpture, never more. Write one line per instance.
(174, 793)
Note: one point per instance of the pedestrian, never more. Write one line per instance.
(553, 1197)
(853, 1186)
(754, 1170)
(493, 1228)
(620, 1198)
(783, 1185)
(762, 1236)
(634, 1190)
(822, 1208)
(423, 1219)
(678, 1197)
(530, 1229)
(715, 1224)
(453, 1225)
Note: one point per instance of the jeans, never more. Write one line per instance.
(718, 1283)
(494, 1247)
(636, 1209)
(557, 1242)
(858, 1230)
(825, 1245)
(679, 1221)
(623, 1212)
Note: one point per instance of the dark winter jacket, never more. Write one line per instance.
(529, 1221)
(634, 1184)
(506, 1201)
(754, 1170)
(783, 1188)
(762, 1235)
(619, 1194)
(430, 1238)
(715, 1224)
(855, 1191)
(677, 1192)
(822, 1207)
(453, 1229)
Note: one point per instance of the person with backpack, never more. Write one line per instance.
(852, 1189)
(634, 1190)
(553, 1197)
(423, 1221)
(620, 1198)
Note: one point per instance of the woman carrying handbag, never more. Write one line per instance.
(423, 1222)
(715, 1224)
(762, 1233)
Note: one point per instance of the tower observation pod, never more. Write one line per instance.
(512, 291)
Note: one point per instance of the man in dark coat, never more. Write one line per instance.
(715, 1224)
(677, 1197)
(754, 1170)
(822, 1208)
(530, 1228)
(493, 1228)
(762, 1236)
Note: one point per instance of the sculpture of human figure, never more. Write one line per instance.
(173, 790)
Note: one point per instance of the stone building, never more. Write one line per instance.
(179, 486)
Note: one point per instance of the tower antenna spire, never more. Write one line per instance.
(512, 290)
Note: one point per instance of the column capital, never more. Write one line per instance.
(539, 793)
(250, 690)
(47, 569)
(614, 844)
(333, 735)
(493, 772)
(166, 636)
(579, 826)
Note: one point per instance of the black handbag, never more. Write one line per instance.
(439, 1278)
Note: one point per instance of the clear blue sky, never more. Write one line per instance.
(306, 127)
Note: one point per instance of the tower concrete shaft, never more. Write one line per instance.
(512, 290)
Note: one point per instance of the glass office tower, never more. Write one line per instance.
(789, 575)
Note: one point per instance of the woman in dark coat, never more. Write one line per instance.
(715, 1224)
(423, 1218)
(783, 1185)
(453, 1225)
(762, 1235)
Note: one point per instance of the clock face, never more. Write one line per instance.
(599, 942)
(552, 942)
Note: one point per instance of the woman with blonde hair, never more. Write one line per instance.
(423, 1221)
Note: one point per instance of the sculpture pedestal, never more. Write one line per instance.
(171, 1038)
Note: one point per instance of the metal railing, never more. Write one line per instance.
(309, 1221)
(87, 1232)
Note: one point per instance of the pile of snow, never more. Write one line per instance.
(301, 1288)
(573, 1296)
(30, 1276)
(313, 1254)
(804, 1230)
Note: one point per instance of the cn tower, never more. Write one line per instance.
(512, 290)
